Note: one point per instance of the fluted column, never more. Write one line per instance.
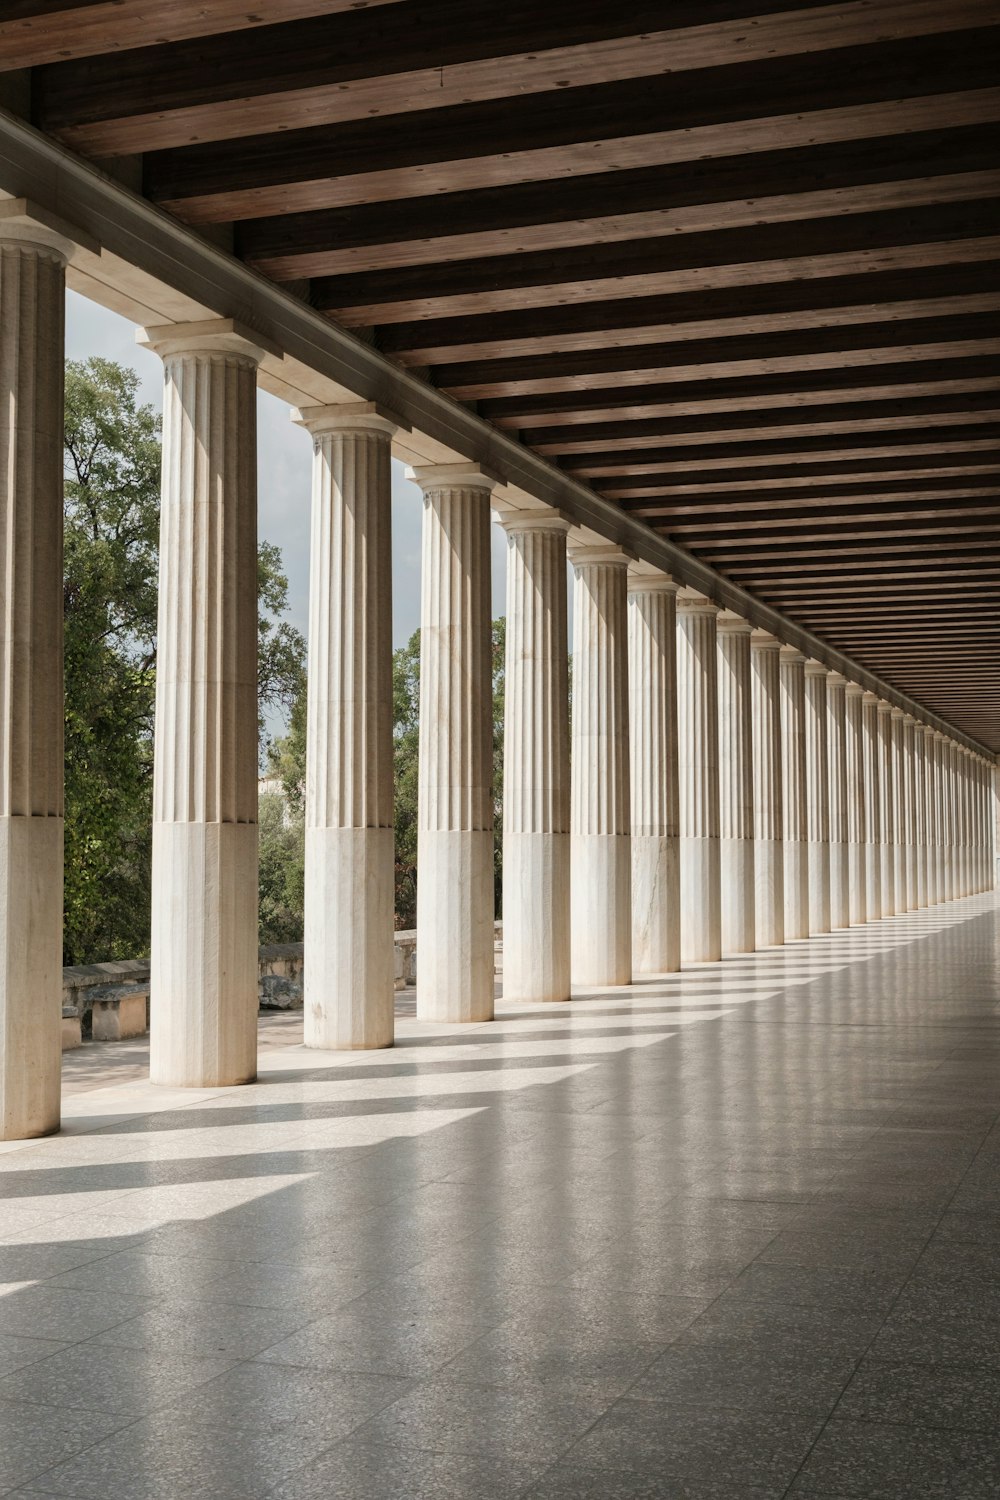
(793, 784)
(652, 670)
(536, 789)
(920, 815)
(857, 823)
(887, 809)
(599, 759)
(899, 814)
(32, 295)
(769, 864)
(909, 812)
(941, 863)
(994, 834)
(455, 777)
(349, 872)
(949, 838)
(203, 963)
(836, 706)
(817, 796)
(873, 807)
(698, 762)
(736, 817)
(964, 764)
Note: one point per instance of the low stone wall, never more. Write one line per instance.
(109, 1002)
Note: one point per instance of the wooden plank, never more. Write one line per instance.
(403, 60)
(775, 460)
(780, 491)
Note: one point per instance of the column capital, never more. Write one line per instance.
(854, 689)
(691, 602)
(348, 416)
(461, 476)
(582, 553)
(791, 655)
(897, 713)
(884, 707)
(212, 336)
(730, 623)
(816, 668)
(27, 223)
(763, 640)
(836, 680)
(516, 521)
(645, 578)
(869, 698)
(909, 721)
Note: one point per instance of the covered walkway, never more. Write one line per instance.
(732, 1232)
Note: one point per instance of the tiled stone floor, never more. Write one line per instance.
(729, 1234)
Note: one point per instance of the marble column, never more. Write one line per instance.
(652, 634)
(736, 816)
(793, 786)
(455, 776)
(856, 801)
(949, 839)
(910, 812)
(698, 773)
(536, 787)
(993, 842)
(899, 863)
(817, 796)
(920, 814)
(941, 873)
(599, 759)
(349, 978)
(840, 875)
(32, 296)
(203, 963)
(887, 809)
(769, 865)
(930, 817)
(873, 807)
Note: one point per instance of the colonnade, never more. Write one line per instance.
(712, 791)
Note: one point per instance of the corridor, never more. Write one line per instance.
(728, 1235)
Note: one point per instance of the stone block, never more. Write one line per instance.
(72, 1030)
(119, 1013)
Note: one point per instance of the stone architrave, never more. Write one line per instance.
(455, 777)
(817, 795)
(203, 957)
(349, 970)
(536, 784)
(698, 778)
(736, 816)
(769, 867)
(652, 628)
(601, 888)
(793, 779)
(856, 801)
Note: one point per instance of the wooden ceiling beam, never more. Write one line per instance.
(853, 488)
(790, 456)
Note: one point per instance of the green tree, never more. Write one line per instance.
(112, 504)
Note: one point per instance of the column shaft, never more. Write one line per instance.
(698, 763)
(920, 814)
(840, 875)
(817, 796)
(887, 820)
(857, 823)
(899, 813)
(656, 912)
(455, 778)
(599, 760)
(793, 783)
(769, 866)
(873, 808)
(203, 965)
(349, 872)
(32, 295)
(910, 813)
(536, 786)
(940, 829)
(736, 816)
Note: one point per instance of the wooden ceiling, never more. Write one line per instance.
(735, 265)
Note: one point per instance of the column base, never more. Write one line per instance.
(819, 886)
(656, 912)
(455, 925)
(536, 917)
(796, 890)
(601, 905)
(769, 892)
(31, 892)
(203, 965)
(348, 971)
(736, 860)
(701, 900)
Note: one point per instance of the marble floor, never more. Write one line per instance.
(732, 1234)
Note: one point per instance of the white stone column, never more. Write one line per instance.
(817, 796)
(536, 788)
(793, 786)
(32, 296)
(993, 842)
(836, 704)
(769, 864)
(348, 971)
(601, 852)
(736, 815)
(652, 635)
(899, 813)
(455, 778)
(950, 838)
(203, 964)
(698, 764)
(857, 826)
(940, 826)
(920, 814)
(873, 807)
(909, 812)
(887, 809)
(964, 764)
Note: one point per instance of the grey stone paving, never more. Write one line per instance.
(727, 1235)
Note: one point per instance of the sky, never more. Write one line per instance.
(284, 457)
